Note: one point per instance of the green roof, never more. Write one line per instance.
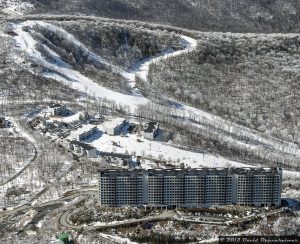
(63, 236)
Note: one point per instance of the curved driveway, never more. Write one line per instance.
(64, 220)
(25, 167)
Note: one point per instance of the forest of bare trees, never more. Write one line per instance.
(249, 79)
(205, 15)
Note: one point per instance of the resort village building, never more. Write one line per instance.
(83, 149)
(190, 188)
(58, 109)
(150, 130)
(84, 132)
(115, 126)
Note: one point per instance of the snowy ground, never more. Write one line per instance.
(141, 69)
(130, 143)
(67, 119)
(156, 150)
(74, 78)
(26, 179)
(17, 128)
(78, 81)
(20, 155)
(134, 144)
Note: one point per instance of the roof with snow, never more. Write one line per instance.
(190, 171)
(115, 122)
(151, 126)
(82, 145)
(55, 105)
(83, 129)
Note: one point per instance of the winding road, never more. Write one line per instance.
(25, 167)
(64, 220)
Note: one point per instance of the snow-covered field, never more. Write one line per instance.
(135, 145)
(167, 152)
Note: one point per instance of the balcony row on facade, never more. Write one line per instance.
(190, 188)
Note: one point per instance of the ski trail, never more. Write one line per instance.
(74, 78)
(250, 139)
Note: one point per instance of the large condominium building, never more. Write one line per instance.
(190, 188)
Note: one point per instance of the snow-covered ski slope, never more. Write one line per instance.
(64, 73)
(61, 71)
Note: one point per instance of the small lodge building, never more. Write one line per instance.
(115, 126)
(58, 109)
(83, 149)
(150, 130)
(85, 132)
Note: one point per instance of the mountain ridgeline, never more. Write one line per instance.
(265, 16)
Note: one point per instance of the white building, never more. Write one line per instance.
(84, 132)
(150, 130)
(83, 149)
(114, 126)
(191, 188)
(58, 109)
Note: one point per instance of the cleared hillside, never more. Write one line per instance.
(121, 44)
(95, 48)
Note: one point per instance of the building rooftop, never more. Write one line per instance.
(83, 145)
(114, 122)
(55, 105)
(81, 130)
(123, 173)
(214, 171)
(191, 171)
(151, 126)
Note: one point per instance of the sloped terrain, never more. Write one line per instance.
(105, 49)
(205, 15)
(121, 45)
(241, 140)
(249, 79)
(221, 99)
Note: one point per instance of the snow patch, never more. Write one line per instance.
(21, 131)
